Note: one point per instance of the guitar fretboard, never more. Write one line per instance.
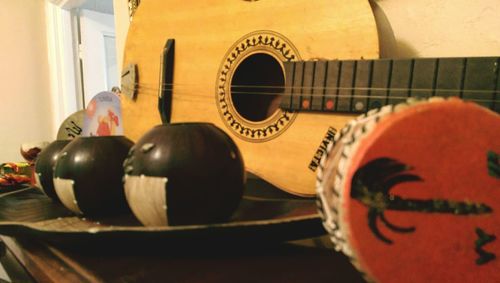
(356, 86)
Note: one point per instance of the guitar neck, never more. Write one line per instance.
(356, 86)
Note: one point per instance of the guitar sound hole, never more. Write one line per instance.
(256, 87)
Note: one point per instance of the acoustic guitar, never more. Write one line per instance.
(281, 77)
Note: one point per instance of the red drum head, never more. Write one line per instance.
(411, 193)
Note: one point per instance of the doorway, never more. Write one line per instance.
(82, 47)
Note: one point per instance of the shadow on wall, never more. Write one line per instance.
(406, 50)
(389, 46)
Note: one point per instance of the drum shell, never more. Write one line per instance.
(203, 166)
(94, 166)
(413, 182)
(44, 167)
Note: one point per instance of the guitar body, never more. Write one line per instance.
(233, 42)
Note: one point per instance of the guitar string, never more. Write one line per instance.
(206, 100)
(335, 94)
(153, 91)
(156, 87)
(310, 95)
(209, 100)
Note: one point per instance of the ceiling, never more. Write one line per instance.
(102, 6)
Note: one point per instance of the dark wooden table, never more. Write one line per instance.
(303, 261)
(29, 258)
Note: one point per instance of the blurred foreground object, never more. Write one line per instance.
(407, 192)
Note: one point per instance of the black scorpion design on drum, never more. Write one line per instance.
(371, 185)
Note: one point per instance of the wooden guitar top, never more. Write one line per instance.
(212, 39)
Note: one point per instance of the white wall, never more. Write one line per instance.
(422, 28)
(25, 101)
(444, 28)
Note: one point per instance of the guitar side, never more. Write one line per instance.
(207, 35)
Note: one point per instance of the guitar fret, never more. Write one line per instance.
(400, 79)
(462, 82)
(353, 81)
(481, 74)
(337, 91)
(424, 76)
(389, 81)
(297, 85)
(434, 82)
(362, 83)
(410, 82)
(332, 84)
(370, 81)
(308, 80)
(286, 101)
(318, 92)
(380, 81)
(347, 77)
(449, 77)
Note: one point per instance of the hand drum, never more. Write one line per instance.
(410, 192)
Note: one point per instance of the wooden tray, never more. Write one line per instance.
(258, 220)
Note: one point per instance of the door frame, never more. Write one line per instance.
(64, 61)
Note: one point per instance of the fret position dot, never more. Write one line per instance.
(359, 106)
(329, 104)
(305, 104)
